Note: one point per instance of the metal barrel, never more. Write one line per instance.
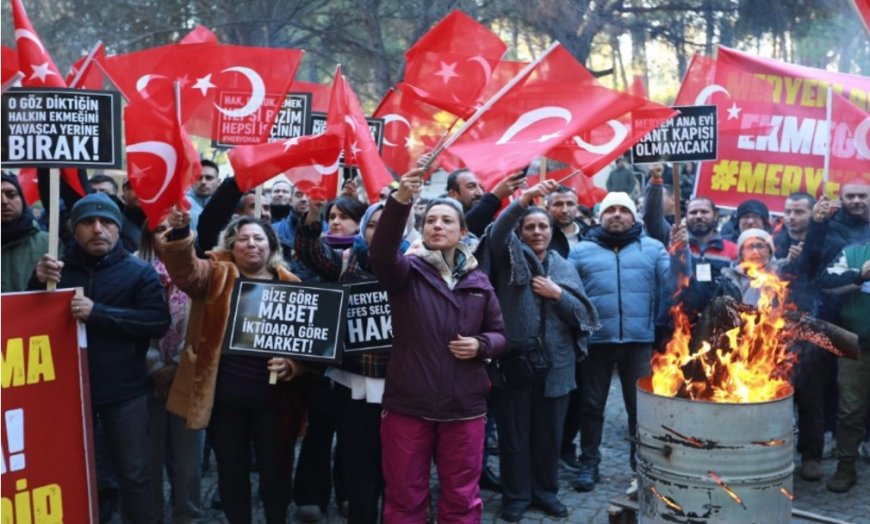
(707, 462)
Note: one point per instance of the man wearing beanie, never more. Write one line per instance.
(122, 309)
(23, 242)
(623, 271)
(750, 214)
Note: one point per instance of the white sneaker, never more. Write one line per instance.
(829, 446)
(632, 488)
(864, 449)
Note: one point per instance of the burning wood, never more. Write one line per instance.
(789, 495)
(739, 353)
(668, 502)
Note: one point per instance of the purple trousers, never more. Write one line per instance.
(408, 446)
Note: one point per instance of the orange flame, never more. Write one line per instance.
(668, 501)
(752, 368)
(725, 487)
(787, 493)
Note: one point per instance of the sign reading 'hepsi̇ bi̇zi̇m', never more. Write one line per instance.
(304, 322)
(59, 127)
(293, 119)
(688, 137)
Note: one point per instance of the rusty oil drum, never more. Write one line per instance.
(685, 446)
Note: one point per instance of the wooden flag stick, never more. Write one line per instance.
(258, 201)
(676, 191)
(566, 177)
(489, 103)
(53, 217)
(17, 77)
(86, 64)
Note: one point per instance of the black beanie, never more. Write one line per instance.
(754, 206)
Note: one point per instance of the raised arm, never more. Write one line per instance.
(390, 266)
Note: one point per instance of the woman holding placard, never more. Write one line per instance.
(446, 324)
(230, 393)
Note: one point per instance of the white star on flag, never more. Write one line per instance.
(411, 142)
(734, 112)
(447, 71)
(354, 149)
(42, 71)
(204, 84)
(290, 143)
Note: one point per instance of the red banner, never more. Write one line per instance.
(48, 468)
(773, 134)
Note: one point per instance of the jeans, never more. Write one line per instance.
(178, 450)
(632, 362)
(125, 427)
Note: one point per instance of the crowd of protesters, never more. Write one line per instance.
(508, 324)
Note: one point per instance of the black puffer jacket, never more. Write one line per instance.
(129, 310)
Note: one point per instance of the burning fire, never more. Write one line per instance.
(749, 363)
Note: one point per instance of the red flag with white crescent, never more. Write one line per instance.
(33, 59)
(850, 143)
(450, 65)
(162, 163)
(233, 80)
(556, 101)
(199, 35)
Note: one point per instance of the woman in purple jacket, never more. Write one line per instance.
(446, 324)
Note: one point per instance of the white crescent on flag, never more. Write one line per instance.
(709, 91)
(861, 138)
(620, 132)
(351, 122)
(28, 35)
(393, 117)
(327, 170)
(535, 115)
(166, 153)
(487, 70)
(258, 93)
(142, 83)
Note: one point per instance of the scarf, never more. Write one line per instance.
(463, 261)
(599, 235)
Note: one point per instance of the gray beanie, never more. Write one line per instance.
(95, 205)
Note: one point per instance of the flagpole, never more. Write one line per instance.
(828, 117)
(86, 64)
(489, 103)
(258, 201)
(17, 77)
(53, 218)
(571, 175)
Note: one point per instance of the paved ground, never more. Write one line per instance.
(853, 506)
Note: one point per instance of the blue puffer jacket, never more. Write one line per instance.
(624, 285)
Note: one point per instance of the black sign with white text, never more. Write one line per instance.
(376, 126)
(298, 321)
(369, 321)
(58, 127)
(293, 119)
(690, 136)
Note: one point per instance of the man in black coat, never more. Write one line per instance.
(123, 308)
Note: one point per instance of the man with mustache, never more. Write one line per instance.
(122, 310)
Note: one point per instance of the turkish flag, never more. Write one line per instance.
(10, 63)
(92, 77)
(360, 148)
(199, 35)
(593, 149)
(698, 76)
(319, 94)
(210, 75)
(850, 151)
(162, 163)
(557, 100)
(411, 127)
(33, 59)
(451, 64)
(637, 87)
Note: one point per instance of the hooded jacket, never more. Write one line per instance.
(23, 245)
(423, 378)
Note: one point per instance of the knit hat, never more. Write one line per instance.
(95, 205)
(617, 198)
(754, 206)
(755, 233)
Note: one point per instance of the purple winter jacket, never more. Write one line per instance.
(423, 378)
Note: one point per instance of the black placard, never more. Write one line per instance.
(58, 127)
(293, 119)
(376, 126)
(690, 136)
(369, 320)
(298, 321)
